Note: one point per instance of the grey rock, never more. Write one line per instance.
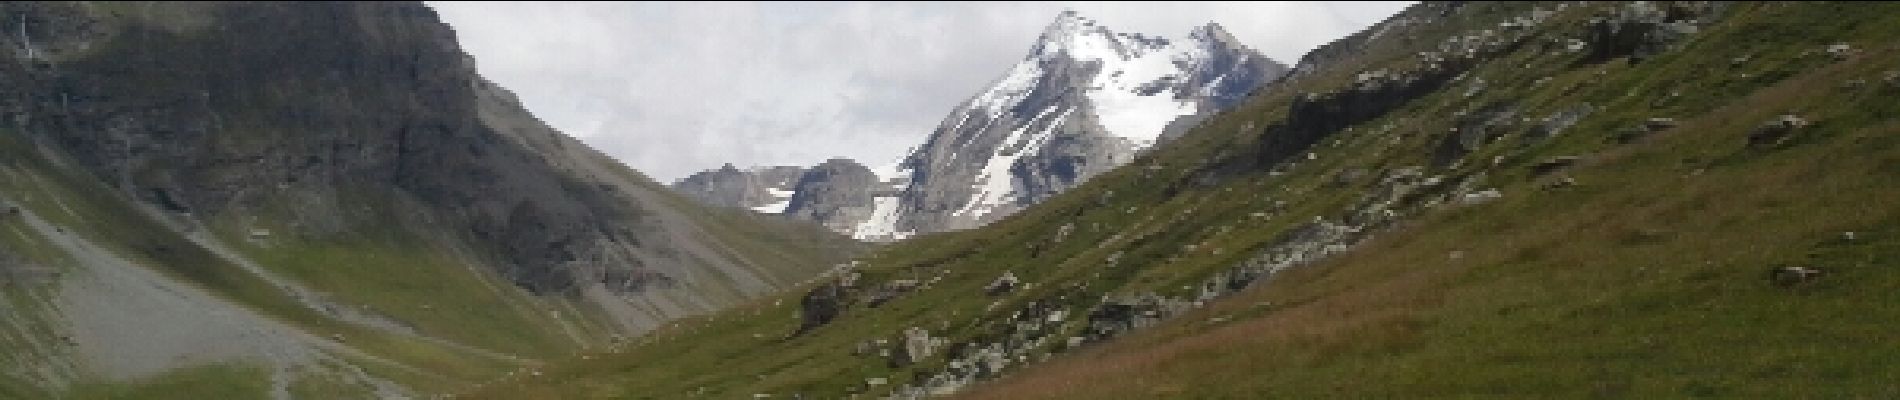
(1776, 130)
(1552, 164)
(837, 193)
(1050, 131)
(732, 187)
(820, 306)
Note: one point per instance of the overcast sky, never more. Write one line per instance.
(674, 88)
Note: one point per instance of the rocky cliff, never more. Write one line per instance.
(766, 190)
(263, 134)
(1087, 99)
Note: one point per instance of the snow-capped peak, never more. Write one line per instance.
(1084, 100)
(1212, 34)
(1079, 79)
(1082, 39)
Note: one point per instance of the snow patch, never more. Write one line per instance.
(883, 222)
(783, 199)
(777, 207)
(995, 185)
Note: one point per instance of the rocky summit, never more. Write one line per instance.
(1085, 100)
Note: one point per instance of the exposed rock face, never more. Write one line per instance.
(837, 193)
(1085, 100)
(819, 306)
(356, 116)
(1642, 29)
(726, 186)
(766, 190)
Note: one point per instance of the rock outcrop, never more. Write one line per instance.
(766, 190)
(334, 119)
(838, 193)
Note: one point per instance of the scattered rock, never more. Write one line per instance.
(1480, 197)
(819, 306)
(1791, 276)
(889, 291)
(1346, 177)
(1659, 124)
(1639, 30)
(918, 344)
(1552, 164)
(1775, 130)
(1840, 51)
(1002, 284)
(1559, 183)
(1560, 120)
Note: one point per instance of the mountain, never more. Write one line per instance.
(839, 193)
(1086, 99)
(766, 190)
(1468, 199)
(210, 198)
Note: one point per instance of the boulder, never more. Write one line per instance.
(1791, 276)
(820, 306)
(1659, 124)
(1480, 197)
(1552, 164)
(1840, 51)
(1775, 130)
(1003, 284)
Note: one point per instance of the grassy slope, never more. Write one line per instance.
(1646, 279)
(84, 206)
(387, 270)
(205, 382)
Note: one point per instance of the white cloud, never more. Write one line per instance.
(673, 88)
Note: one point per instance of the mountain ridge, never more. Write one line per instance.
(338, 177)
(1083, 100)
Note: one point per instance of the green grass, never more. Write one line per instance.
(313, 384)
(219, 381)
(1645, 280)
(81, 205)
(389, 273)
